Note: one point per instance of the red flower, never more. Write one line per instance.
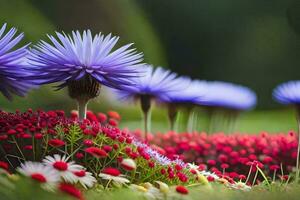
(71, 190)
(39, 177)
(79, 155)
(11, 132)
(224, 166)
(112, 122)
(107, 148)
(38, 136)
(181, 189)
(211, 162)
(114, 115)
(4, 165)
(111, 171)
(96, 152)
(102, 117)
(56, 143)
(88, 143)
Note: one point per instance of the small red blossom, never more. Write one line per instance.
(56, 143)
(102, 117)
(79, 155)
(71, 190)
(114, 115)
(39, 177)
(113, 122)
(181, 189)
(96, 152)
(4, 165)
(111, 171)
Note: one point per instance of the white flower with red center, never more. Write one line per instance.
(113, 174)
(64, 168)
(39, 172)
(85, 178)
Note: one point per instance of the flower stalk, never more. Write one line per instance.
(146, 105)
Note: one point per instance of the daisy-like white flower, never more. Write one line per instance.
(39, 172)
(83, 63)
(113, 174)
(85, 178)
(64, 168)
(12, 70)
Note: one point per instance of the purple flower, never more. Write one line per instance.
(75, 57)
(192, 92)
(287, 93)
(228, 95)
(12, 71)
(155, 83)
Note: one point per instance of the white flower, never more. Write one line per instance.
(39, 172)
(64, 168)
(113, 174)
(85, 178)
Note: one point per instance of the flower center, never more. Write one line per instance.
(60, 165)
(39, 177)
(85, 88)
(80, 173)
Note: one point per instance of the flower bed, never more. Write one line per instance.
(69, 155)
(234, 153)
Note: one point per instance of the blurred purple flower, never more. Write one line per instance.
(191, 92)
(228, 95)
(287, 93)
(155, 83)
(12, 73)
(76, 56)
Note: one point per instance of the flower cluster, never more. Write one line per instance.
(58, 173)
(95, 143)
(232, 155)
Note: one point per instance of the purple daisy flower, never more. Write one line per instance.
(155, 83)
(192, 93)
(228, 95)
(12, 71)
(84, 63)
(288, 93)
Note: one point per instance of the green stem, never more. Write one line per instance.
(82, 108)
(145, 101)
(249, 173)
(15, 141)
(298, 150)
(172, 114)
(255, 177)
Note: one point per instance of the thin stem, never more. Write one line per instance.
(172, 114)
(274, 175)
(146, 105)
(255, 177)
(146, 126)
(82, 107)
(298, 150)
(249, 173)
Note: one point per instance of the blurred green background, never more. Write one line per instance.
(251, 42)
